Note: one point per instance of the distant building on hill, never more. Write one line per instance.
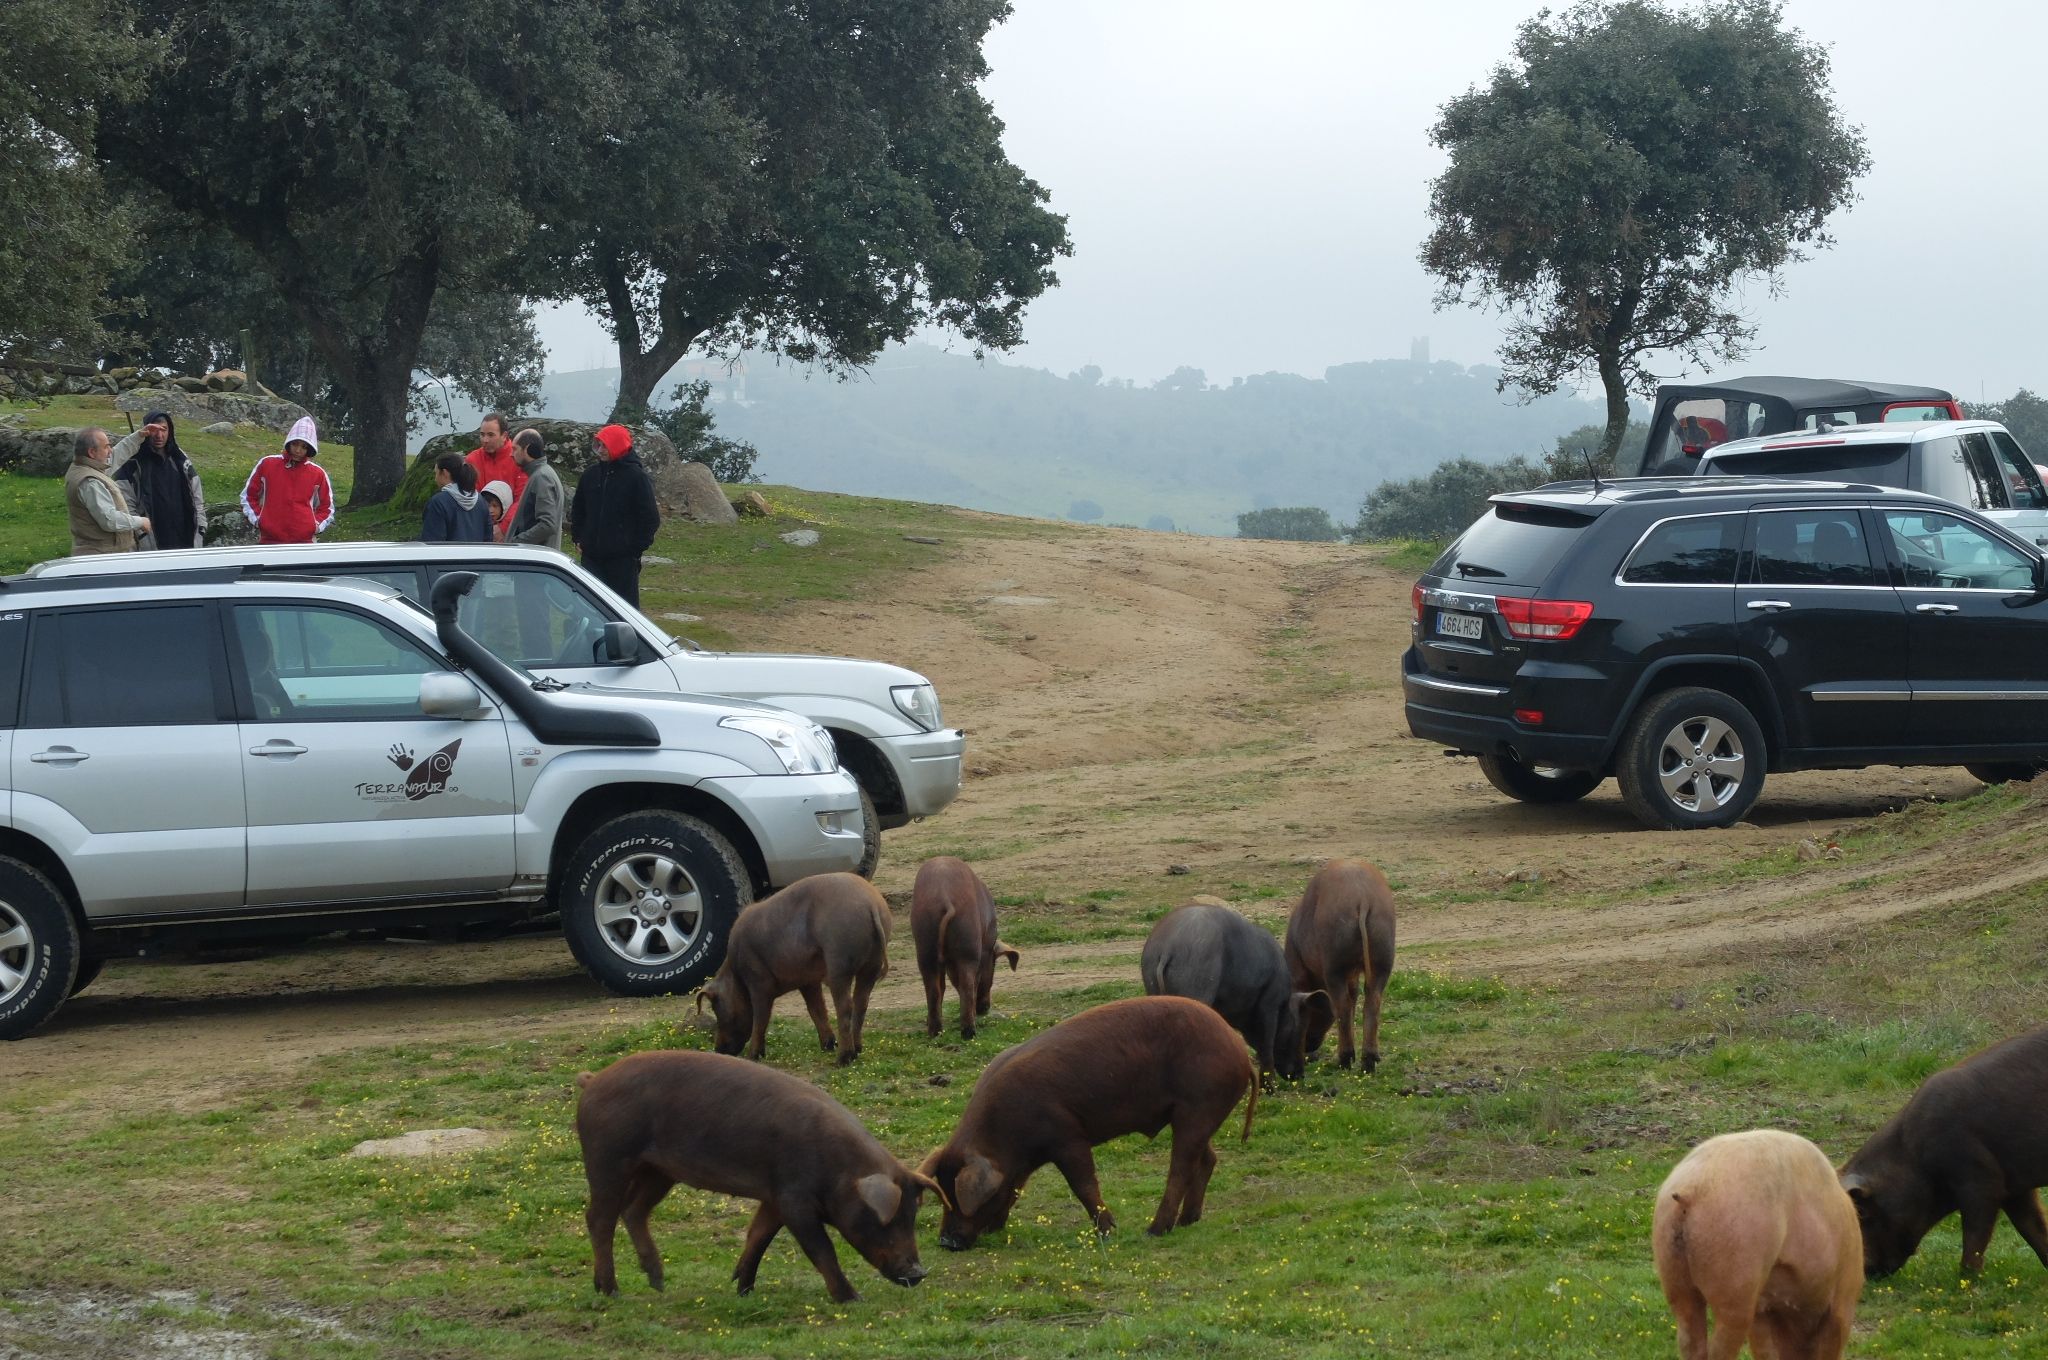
(1418, 350)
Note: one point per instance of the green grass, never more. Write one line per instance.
(1486, 1193)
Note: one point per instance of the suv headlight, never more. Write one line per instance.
(803, 748)
(920, 704)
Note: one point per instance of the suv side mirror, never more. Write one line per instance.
(445, 694)
(619, 644)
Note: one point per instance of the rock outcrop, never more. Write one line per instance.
(203, 407)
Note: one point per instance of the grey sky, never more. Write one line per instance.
(1247, 186)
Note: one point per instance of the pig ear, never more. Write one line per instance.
(928, 1183)
(1004, 951)
(1855, 1184)
(1316, 1002)
(881, 1193)
(976, 1184)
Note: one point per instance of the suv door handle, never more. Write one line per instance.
(60, 755)
(277, 746)
(1770, 604)
(1936, 608)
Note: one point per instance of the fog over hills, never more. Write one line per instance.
(926, 424)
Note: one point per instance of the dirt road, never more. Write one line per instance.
(1134, 702)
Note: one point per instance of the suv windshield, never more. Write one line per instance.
(1884, 464)
(1514, 544)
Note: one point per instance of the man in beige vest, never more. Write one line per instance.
(100, 521)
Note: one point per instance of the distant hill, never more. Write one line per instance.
(926, 424)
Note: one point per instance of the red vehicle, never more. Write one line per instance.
(1692, 418)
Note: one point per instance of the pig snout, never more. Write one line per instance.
(910, 1274)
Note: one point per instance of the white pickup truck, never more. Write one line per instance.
(536, 609)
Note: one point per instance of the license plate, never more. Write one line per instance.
(1472, 626)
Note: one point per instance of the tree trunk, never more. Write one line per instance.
(640, 369)
(1617, 407)
(380, 394)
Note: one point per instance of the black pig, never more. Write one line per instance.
(1213, 955)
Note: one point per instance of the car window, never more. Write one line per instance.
(1948, 471)
(2022, 478)
(1818, 547)
(145, 667)
(1516, 544)
(1948, 552)
(1884, 464)
(533, 618)
(1815, 420)
(1698, 550)
(304, 661)
(1692, 427)
(1893, 413)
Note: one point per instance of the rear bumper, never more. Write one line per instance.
(928, 767)
(1478, 719)
(804, 824)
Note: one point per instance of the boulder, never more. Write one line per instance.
(569, 449)
(184, 384)
(37, 453)
(226, 380)
(754, 505)
(689, 490)
(227, 526)
(206, 408)
(220, 427)
(800, 538)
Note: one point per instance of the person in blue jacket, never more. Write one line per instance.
(455, 512)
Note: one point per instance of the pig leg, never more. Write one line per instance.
(1265, 1046)
(814, 1002)
(969, 988)
(1198, 1186)
(863, 988)
(767, 1222)
(1347, 1006)
(810, 1235)
(764, 1011)
(986, 984)
(1374, 992)
(934, 998)
(601, 1220)
(646, 1191)
(2023, 1207)
(1077, 1164)
(1689, 1311)
(842, 1008)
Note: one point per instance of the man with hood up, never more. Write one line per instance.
(288, 497)
(161, 484)
(613, 517)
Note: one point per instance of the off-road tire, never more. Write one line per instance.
(1724, 725)
(1528, 783)
(2004, 772)
(45, 950)
(88, 973)
(598, 883)
(870, 835)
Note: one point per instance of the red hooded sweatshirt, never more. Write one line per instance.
(290, 503)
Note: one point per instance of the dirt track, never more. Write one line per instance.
(1133, 701)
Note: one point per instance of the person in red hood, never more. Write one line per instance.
(612, 516)
(492, 458)
(288, 497)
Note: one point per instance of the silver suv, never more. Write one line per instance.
(536, 609)
(219, 756)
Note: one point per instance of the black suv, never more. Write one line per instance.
(1686, 635)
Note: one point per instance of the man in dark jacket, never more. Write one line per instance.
(161, 483)
(613, 517)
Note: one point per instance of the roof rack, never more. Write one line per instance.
(197, 576)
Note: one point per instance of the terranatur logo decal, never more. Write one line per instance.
(423, 778)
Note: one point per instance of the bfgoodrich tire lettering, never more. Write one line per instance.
(1691, 758)
(648, 901)
(38, 949)
(1538, 783)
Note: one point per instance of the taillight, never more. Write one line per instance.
(1543, 618)
(1415, 601)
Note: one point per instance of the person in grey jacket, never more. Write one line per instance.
(161, 483)
(539, 516)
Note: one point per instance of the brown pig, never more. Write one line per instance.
(1340, 940)
(831, 930)
(1753, 1226)
(1971, 1140)
(953, 924)
(653, 1120)
(1134, 1066)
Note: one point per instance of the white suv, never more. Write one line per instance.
(209, 755)
(535, 608)
(1970, 462)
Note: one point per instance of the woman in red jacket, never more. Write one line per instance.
(289, 498)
